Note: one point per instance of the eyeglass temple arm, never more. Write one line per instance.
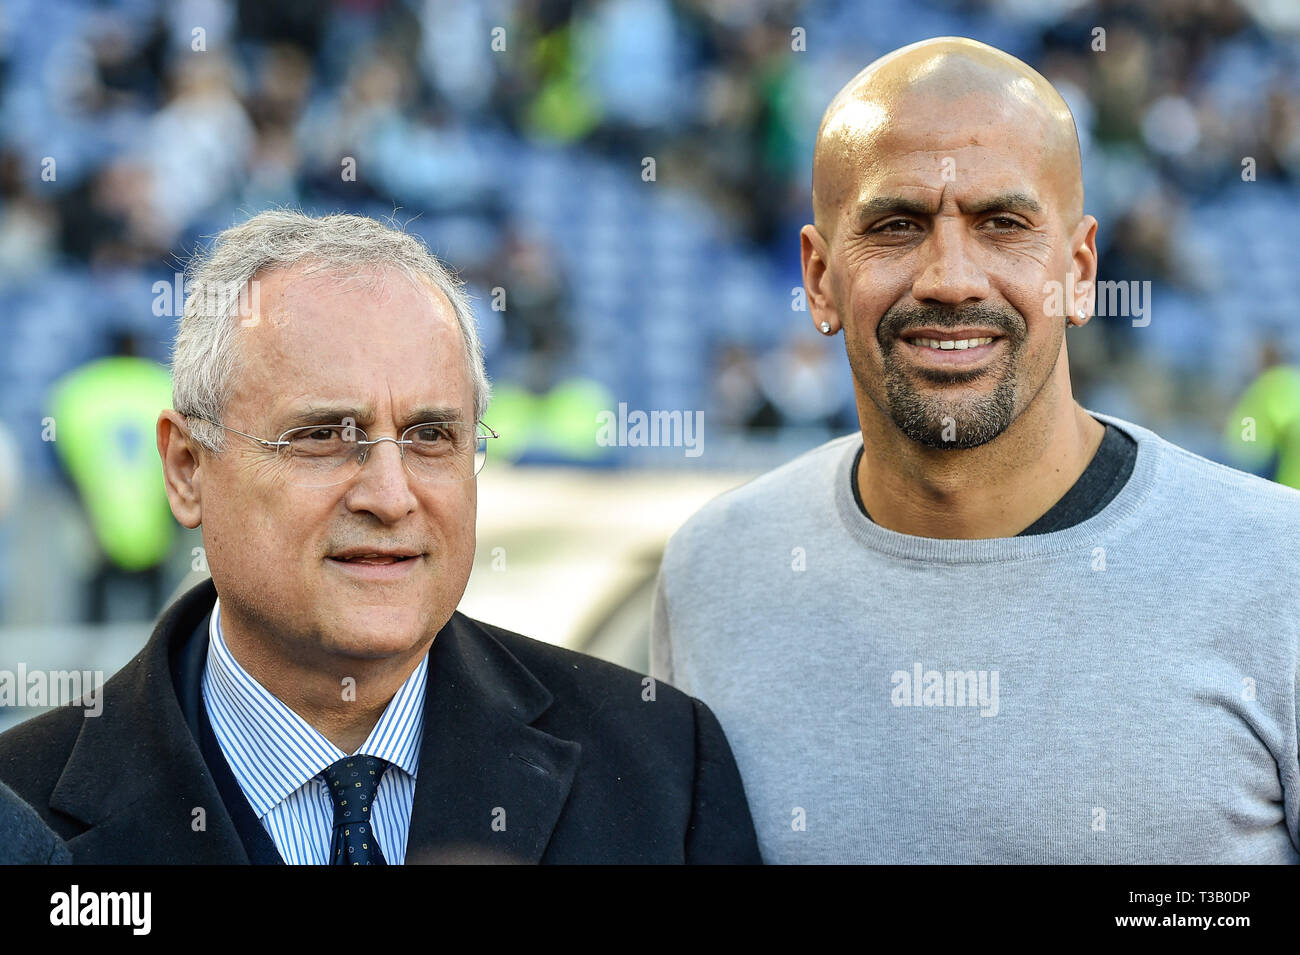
(266, 443)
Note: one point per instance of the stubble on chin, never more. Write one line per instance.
(950, 424)
(916, 403)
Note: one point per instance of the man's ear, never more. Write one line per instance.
(815, 255)
(180, 460)
(1084, 264)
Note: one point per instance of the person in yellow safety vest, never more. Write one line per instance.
(562, 423)
(104, 417)
(1265, 424)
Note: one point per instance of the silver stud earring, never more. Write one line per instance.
(826, 328)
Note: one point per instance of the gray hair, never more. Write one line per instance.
(204, 357)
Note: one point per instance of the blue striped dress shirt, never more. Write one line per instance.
(277, 757)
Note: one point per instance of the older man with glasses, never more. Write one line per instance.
(320, 700)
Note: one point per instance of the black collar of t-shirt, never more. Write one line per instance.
(1100, 481)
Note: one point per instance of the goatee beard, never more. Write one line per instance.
(949, 424)
(934, 420)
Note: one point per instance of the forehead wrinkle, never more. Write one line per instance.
(279, 348)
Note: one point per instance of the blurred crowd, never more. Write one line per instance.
(621, 182)
(161, 123)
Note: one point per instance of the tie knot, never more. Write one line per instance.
(352, 782)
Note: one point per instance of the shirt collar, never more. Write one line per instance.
(272, 750)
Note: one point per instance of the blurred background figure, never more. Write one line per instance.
(1263, 431)
(536, 330)
(105, 416)
(621, 183)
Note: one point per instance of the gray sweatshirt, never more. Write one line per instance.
(1120, 691)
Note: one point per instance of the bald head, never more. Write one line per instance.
(934, 94)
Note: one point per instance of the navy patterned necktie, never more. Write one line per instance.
(353, 782)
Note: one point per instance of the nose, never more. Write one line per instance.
(383, 487)
(949, 272)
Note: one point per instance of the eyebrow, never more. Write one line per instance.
(364, 415)
(1006, 202)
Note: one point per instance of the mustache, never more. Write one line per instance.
(984, 314)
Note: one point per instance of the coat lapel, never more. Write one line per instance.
(135, 775)
(490, 787)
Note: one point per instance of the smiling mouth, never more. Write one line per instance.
(952, 349)
(939, 344)
(953, 361)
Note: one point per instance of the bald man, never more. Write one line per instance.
(994, 626)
